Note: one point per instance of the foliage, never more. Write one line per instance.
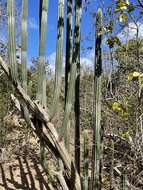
(118, 112)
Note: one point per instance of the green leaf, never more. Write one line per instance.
(116, 106)
(117, 41)
(125, 135)
(109, 27)
(123, 18)
(131, 8)
(110, 42)
(121, 5)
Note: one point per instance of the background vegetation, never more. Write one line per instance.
(85, 125)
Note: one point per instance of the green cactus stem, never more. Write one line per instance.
(11, 39)
(97, 103)
(59, 59)
(24, 43)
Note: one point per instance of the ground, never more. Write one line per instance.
(23, 172)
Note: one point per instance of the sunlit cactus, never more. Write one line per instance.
(41, 66)
(24, 43)
(41, 95)
(97, 103)
(59, 59)
(11, 39)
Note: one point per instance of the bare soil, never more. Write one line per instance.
(23, 172)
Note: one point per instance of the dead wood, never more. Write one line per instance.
(53, 142)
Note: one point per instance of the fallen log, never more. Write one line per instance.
(38, 112)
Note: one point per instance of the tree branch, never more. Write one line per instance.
(141, 3)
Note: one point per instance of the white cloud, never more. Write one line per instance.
(32, 24)
(86, 62)
(130, 31)
(51, 60)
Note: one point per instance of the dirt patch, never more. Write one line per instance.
(23, 172)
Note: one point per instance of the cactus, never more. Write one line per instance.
(97, 103)
(112, 166)
(68, 45)
(85, 161)
(24, 43)
(41, 95)
(78, 6)
(124, 179)
(72, 80)
(68, 56)
(11, 39)
(59, 58)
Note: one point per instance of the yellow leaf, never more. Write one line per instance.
(116, 106)
(127, 2)
(123, 18)
(125, 135)
(141, 75)
(130, 76)
(136, 74)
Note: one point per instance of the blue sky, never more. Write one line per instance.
(87, 26)
(33, 31)
(33, 28)
(51, 36)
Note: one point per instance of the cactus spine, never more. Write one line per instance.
(41, 66)
(11, 39)
(97, 102)
(85, 160)
(24, 43)
(59, 58)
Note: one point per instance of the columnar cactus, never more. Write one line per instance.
(41, 95)
(112, 165)
(24, 43)
(124, 180)
(85, 160)
(97, 102)
(11, 39)
(72, 81)
(78, 7)
(68, 45)
(59, 58)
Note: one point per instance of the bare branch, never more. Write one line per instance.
(141, 3)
